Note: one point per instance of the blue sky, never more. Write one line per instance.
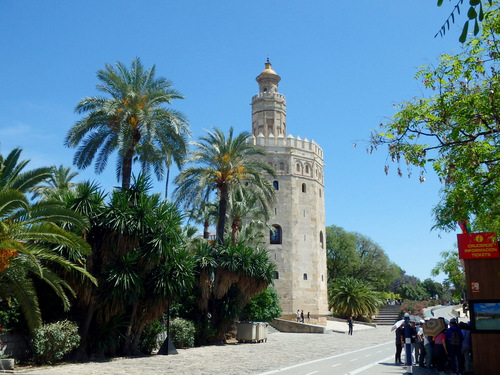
(343, 64)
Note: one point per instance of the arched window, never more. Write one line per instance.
(303, 188)
(307, 169)
(275, 235)
(320, 193)
(276, 185)
(298, 167)
(282, 166)
(276, 275)
(321, 238)
(305, 276)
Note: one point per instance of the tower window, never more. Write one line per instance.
(307, 169)
(321, 238)
(303, 188)
(276, 185)
(320, 193)
(275, 235)
(276, 275)
(298, 167)
(305, 276)
(282, 166)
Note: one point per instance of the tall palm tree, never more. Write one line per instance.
(162, 159)
(131, 119)
(220, 164)
(29, 233)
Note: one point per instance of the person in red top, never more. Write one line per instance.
(440, 351)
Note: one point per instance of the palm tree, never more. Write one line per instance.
(221, 164)
(58, 182)
(228, 277)
(249, 204)
(29, 235)
(139, 260)
(131, 119)
(353, 297)
(173, 152)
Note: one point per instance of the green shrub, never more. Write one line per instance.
(263, 307)
(149, 337)
(182, 333)
(51, 342)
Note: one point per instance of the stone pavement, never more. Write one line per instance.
(281, 350)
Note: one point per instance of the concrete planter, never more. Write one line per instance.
(7, 364)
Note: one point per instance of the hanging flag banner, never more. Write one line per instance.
(477, 245)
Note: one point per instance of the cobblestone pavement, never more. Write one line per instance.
(281, 350)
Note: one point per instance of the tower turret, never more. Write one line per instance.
(269, 106)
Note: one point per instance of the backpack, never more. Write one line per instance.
(455, 338)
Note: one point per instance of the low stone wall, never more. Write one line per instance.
(284, 325)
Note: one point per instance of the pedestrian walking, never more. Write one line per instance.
(350, 323)
(399, 344)
(454, 340)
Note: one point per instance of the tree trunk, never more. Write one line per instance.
(221, 222)
(206, 232)
(166, 183)
(127, 168)
(127, 346)
(235, 230)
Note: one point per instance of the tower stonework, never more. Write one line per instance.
(298, 243)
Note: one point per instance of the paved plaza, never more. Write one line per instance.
(281, 350)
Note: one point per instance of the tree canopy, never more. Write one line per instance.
(132, 119)
(454, 128)
(350, 253)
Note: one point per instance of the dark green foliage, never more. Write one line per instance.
(414, 292)
(149, 338)
(263, 307)
(182, 332)
(475, 13)
(51, 342)
(11, 316)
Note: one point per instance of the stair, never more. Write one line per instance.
(388, 315)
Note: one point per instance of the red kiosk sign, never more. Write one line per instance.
(477, 245)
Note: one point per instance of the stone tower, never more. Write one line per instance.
(297, 245)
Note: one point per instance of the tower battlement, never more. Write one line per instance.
(289, 141)
(269, 95)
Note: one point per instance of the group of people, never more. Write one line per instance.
(448, 350)
(301, 317)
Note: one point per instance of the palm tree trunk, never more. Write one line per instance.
(221, 222)
(127, 169)
(206, 232)
(166, 183)
(128, 338)
(235, 230)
